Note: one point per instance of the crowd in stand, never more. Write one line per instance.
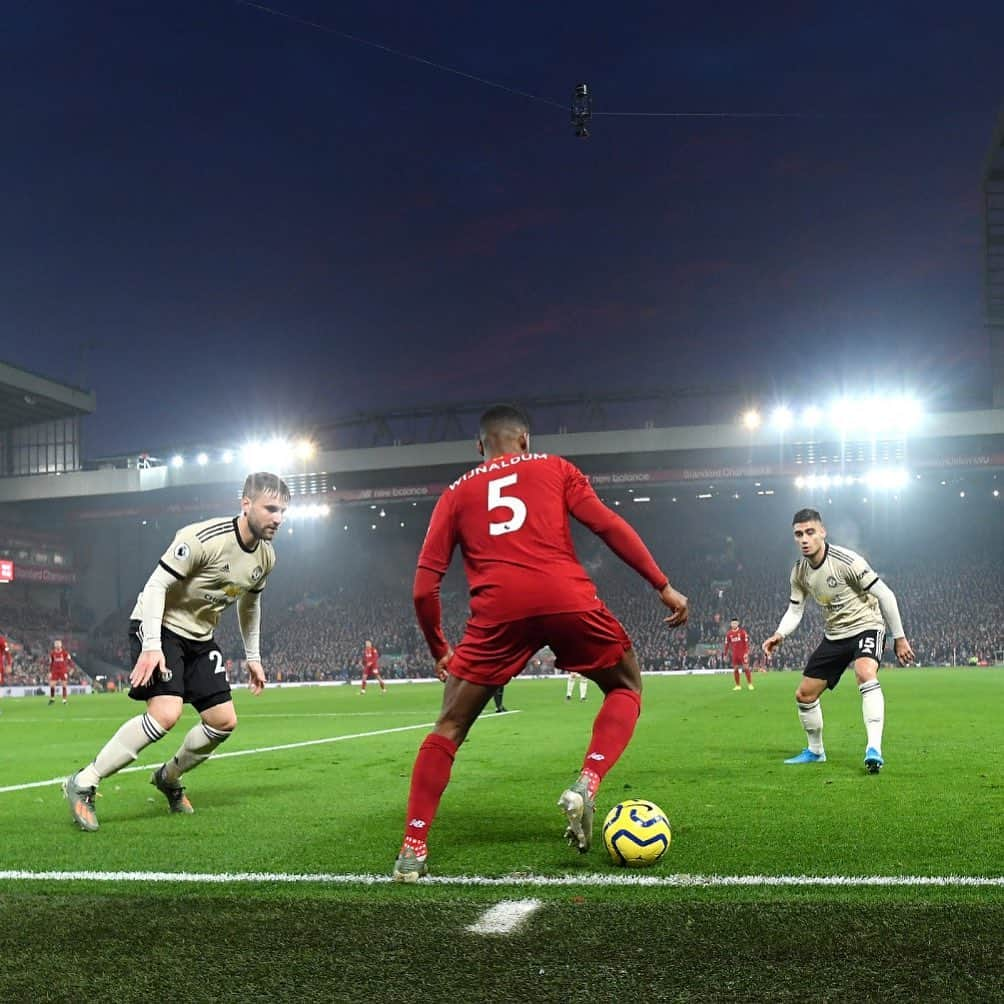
(327, 598)
(31, 628)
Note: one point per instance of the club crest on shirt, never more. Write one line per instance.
(831, 582)
(257, 573)
(182, 551)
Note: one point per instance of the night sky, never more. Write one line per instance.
(224, 221)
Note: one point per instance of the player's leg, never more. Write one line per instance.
(583, 684)
(746, 670)
(52, 690)
(735, 677)
(133, 736)
(209, 693)
(65, 691)
(570, 685)
(866, 669)
(822, 672)
(362, 684)
(810, 715)
(463, 701)
(613, 728)
(383, 686)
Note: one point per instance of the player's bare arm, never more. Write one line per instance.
(256, 677)
(677, 603)
(904, 651)
(146, 665)
(441, 666)
(772, 643)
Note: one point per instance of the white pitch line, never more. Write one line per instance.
(531, 881)
(262, 749)
(506, 917)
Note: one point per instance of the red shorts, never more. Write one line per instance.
(59, 676)
(738, 661)
(367, 673)
(583, 642)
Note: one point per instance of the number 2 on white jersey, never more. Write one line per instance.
(497, 500)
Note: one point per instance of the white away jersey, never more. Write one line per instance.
(840, 586)
(212, 569)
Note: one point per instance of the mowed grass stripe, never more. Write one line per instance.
(531, 881)
(250, 752)
(344, 950)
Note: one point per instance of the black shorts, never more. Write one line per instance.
(195, 670)
(831, 658)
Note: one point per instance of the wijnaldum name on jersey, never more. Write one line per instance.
(497, 465)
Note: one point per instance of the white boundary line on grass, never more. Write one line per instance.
(534, 881)
(261, 749)
(506, 917)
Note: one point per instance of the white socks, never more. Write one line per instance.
(873, 712)
(811, 717)
(196, 748)
(123, 747)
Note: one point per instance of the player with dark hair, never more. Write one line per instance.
(737, 651)
(857, 605)
(510, 518)
(208, 567)
(371, 666)
(60, 662)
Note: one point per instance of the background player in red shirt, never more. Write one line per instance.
(59, 669)
(509, 516)
(371, 666)
(6, 658)
(737, 650)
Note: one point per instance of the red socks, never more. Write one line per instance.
(612, 731)
(429, 778)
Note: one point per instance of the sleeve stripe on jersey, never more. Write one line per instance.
(206, 537)
(841, 557)
(872, 583)
(838, 552)
(168, 568)
(211, 531)
(257, 591)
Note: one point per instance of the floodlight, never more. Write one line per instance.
(177, 460)
(812, 416)
(781, 418)
(304, 449)
(751, 419)
(202, 459)
(227, 456)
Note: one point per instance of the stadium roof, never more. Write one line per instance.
(994, 170)
(29, 399)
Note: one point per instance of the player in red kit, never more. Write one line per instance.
(371, 666)
(509, 517)
(737, 650)
(6, 659)
(59, 669)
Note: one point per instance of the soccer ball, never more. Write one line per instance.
(636, 833)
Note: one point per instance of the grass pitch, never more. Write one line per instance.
(711, 757)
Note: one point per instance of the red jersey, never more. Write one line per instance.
(737, 643)
(5, 653)
(59, 662)
(509, 516)
(371, 659)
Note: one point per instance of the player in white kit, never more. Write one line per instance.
(857, 606)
